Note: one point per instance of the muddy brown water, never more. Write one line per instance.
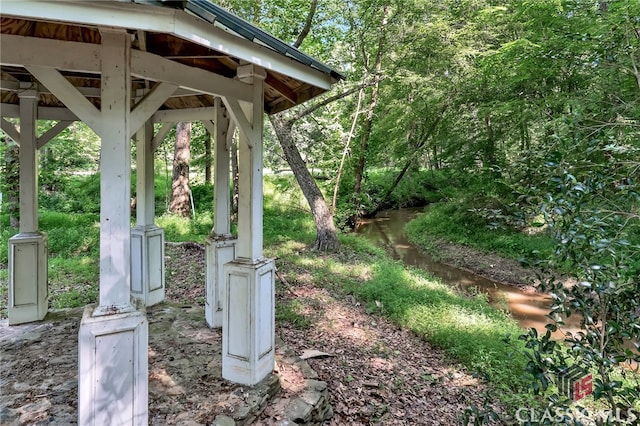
(387, 230)
(530, 309)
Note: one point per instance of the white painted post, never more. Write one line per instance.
(222, 225)
(28, 160)
(28, 291)
(145, 193)
(248, 331)
(113, 337)
(220, 246)
(147, 239)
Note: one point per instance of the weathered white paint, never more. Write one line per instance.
(250, 157)
(244, 124)
(248, 329)
(28, 291)
(69, 95)
(186, 114)
(10, 129)
(28, 160)
(222, 203)
(113, 337)
(149, 104)
(63, 55)
(44, 113)
(113, 369)
(115, 170)
(147, 240)
(220, 247)
(89, 92)
(148, 65)
(159, 137)
(218, 251)
(53, 132)
(171, 21)
(145, 191)
(147, 264)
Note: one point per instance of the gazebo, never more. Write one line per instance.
(121, 67)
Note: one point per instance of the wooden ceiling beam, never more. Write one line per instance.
(281, 88)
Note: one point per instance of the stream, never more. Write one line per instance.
(387, 230)
(530, 309)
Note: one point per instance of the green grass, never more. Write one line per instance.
(451, 221)
(467, 329)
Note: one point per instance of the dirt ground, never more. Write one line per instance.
(487, 265)
(376, 372)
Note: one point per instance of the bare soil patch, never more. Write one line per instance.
(487, 265)
(377, 373)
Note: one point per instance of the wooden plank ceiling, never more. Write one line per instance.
(281, 92)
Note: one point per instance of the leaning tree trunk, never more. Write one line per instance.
(326, 235)
(181, 158)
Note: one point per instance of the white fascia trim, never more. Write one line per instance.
(165, 20)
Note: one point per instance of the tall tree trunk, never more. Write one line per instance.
(180, 204)
(326, 235)
(11, 182)
(373, 103)
(418, 148)
(207, 158)
(489, 148)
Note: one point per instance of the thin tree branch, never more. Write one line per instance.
(327, 101)
(307, 25)
(345, 151)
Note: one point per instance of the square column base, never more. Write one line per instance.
(147, 264)
(219, 250)
(248, 329)
(28, 276)
(113, 368)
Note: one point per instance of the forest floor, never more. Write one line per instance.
(376, 372)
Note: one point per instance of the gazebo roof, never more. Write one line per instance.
(195, 33)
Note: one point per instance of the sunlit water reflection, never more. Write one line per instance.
(528, 308)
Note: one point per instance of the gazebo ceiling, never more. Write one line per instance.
(196, 33)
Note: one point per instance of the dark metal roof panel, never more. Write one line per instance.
(216, 15)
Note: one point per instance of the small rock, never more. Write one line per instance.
(21, 386)
(299, 411)
(222, 420)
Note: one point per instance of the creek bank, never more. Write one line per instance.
(487, 265)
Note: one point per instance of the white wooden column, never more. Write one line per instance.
(28, 291)
(28, 161)
(248, 330)
(113, 337)
(222, 199)
(220, 245)
(147, 239)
